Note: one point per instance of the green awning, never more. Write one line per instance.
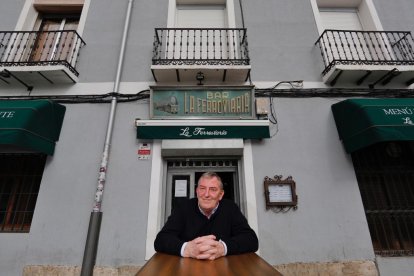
(363, 122)
(32, 125)
(202, 129)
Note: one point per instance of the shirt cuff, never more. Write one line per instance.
(183, 248)
(225, 247)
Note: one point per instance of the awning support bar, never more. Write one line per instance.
(363, 78)
(385, 78)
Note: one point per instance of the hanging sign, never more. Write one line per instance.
(202, 102)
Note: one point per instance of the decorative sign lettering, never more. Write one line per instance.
(201, 131)
(234, 103)
(406, 120)
(7, 114)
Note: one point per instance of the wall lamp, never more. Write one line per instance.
(200, 78)
(5, 74)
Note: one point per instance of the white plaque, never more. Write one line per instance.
(280, 193)
(180, 188)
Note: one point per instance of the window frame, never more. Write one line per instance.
(229, 6)
(366, 11)
(29, 14)
(20, 179)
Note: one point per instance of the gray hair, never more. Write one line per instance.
(210, 175)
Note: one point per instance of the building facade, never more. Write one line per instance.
(111, 110)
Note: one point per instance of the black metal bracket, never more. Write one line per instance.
(333, 82)
(363, 78)
(410, 81)
(177, 73)
(29, 87)
(386, 78)
(224, 75)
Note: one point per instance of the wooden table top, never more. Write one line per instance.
(245, 264)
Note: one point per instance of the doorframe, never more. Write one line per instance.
(157, 192)
(191, 171)
(29, 15)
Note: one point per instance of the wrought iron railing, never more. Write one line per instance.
(365, 47)
(28, 48)
(208, 46)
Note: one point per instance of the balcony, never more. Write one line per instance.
(202, 56)
(367, 57)
(32, 58)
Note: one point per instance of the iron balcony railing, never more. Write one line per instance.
(365, 47)
(208, 46)
(42, 48)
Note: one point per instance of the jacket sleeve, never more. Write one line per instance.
(168, 239)
(243, 238)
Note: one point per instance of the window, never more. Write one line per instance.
(385, 174)
(340, 19)
(20, 176)
(56, 37)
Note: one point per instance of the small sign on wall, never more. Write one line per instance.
(144, 151)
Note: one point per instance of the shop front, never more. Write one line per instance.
(28, 134)
(379, 135)
(197, 129)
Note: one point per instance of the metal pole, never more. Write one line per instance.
(92, 240)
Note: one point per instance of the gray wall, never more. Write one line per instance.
(281, 36)
(401, 266)
(125, 208)
(10, 11)
(395, 15)
(60, 223)
(278, 41)
(103, 34)
(329, 224)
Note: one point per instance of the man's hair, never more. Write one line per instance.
(210, 175)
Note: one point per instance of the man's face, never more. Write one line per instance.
(209, 194)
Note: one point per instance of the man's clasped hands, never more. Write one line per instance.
(205, 247)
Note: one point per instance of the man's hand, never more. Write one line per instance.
(205, 247)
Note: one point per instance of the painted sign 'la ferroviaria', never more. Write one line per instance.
(228, 103)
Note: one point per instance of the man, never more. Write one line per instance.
(206, 227)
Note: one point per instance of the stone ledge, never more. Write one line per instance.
(350, 268)
(53, 270)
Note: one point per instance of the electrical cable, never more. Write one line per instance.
(95, 98)
(333, 92)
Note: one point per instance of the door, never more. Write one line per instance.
(51, 43)
(189, 43)
(183, 174)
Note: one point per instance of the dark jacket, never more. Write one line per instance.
(187, 223)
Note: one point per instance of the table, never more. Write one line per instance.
(245, 264)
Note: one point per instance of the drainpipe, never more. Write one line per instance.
(91, 245)
(242, 13)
